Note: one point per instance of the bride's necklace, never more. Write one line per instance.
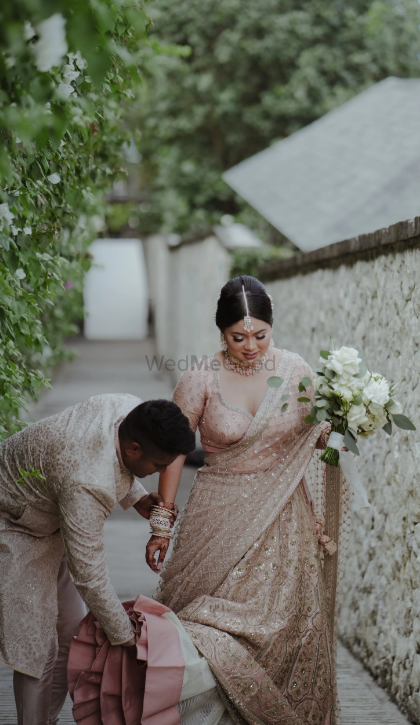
(242, 367)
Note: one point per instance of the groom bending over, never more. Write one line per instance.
(60, 479)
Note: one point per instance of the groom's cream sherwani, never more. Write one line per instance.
(77, 453)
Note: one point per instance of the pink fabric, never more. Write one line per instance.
(108, 684)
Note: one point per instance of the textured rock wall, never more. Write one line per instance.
(374, 306)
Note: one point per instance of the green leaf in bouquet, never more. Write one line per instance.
(350, 443)
(335, 405)
(321, 415)
(324, 354)
(388, 427)
(321, 403)
(285, 397)
(306, 382)
(362, 371)
(304, 400)
(389, 404)
(357, 400)
(320, 371)
(301, 388)
(335, 421)
(313, 411)
(284, 408)
(403, 422)
(275, 381)
(308, 420)
(329, 374)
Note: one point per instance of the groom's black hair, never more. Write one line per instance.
(231, 305)
(159, 426)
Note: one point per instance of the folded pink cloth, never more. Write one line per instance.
(115, 685)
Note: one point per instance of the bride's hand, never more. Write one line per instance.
(156, 543)
(144, 506)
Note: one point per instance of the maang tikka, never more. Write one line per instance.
(247, 319)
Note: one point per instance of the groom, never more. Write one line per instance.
(60, 479)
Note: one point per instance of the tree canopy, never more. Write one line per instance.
(253, 73)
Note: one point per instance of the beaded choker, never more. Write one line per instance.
(243, 367)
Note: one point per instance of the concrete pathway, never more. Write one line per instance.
(103, 367)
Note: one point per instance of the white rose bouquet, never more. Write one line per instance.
(355, 401)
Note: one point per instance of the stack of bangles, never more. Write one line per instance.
(160, 522)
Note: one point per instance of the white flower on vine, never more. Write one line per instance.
(69, 74)
(65, 90)
(28, 31)
(27, 230)
(5, 215)
(54, 178)
(78, 59)
(52, 45)
(20, 274)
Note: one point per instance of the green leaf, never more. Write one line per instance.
(388, 427)
(307, 382)
(362, 371)
(357, 400)
(284, 408)
(275, 381)
(308, 420)
(329, 374)
(389, 404)
(321, 415)
(301, 388)
(403, 422)
(350, 442)
(304, 400)
(285, 397)
(324, 354)
(321, 403)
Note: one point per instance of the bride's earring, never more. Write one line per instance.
(223, 342)
(272, 344)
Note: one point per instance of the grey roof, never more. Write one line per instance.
(355, 170)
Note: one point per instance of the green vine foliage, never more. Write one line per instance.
(67, 71)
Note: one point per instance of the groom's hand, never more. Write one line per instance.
(160, 544)
(144, 506)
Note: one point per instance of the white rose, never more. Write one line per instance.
(357, 416)
(343, 390)
(344, 362)
(376, 391)
(52, 45)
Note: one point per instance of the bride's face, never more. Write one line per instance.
(248, 346)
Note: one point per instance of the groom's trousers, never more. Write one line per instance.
(39, 702)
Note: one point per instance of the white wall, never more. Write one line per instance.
(375, 307)
(115, 293)
(185, 284)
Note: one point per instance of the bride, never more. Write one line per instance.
(246, 576)
(252, 577)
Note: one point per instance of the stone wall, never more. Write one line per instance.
(365, 293)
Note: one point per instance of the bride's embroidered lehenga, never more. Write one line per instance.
(246, 575)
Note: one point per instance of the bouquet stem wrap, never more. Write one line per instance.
(348, 464)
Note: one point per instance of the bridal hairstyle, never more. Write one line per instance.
(159, 426)
(231, 304)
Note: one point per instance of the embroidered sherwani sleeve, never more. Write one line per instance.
(83, 512)
(136, 492)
